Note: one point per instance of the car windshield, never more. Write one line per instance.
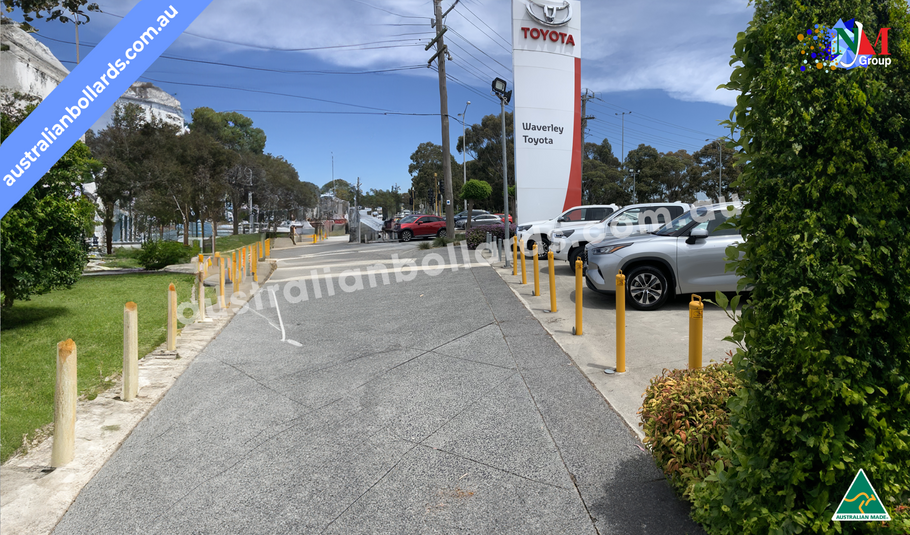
(682, 221)
(408, 219)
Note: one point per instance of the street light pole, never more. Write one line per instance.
(499, 89)
(464, 148)
(720, 167)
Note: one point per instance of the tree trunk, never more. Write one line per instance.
(467, 223)
(186, 227)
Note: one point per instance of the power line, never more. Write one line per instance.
(321, 112)
(465, 39)
(264, 69)
(653, 119)
(506, 41)
(265, 92)
(280, 49)
(387, 11)
(485, 33)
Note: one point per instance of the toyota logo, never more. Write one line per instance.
(550, 13)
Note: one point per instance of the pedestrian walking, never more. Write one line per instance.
(293, 235)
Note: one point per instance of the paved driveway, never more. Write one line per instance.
(432, 405)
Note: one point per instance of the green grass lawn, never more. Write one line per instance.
(91, 313)
(229, 243)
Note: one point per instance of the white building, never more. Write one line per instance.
(27, 66)
(154, 101)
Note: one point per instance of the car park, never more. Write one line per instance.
(538, 232)
(420, 226)
(569, 243)
(687, 255)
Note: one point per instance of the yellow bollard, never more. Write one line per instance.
(536, 271)
(578, 284)
(233, 270)
(201, 262)
(524, 271)
(254, 263)
(171, 317)
(514, 256)
(64, 405)
(200, 296)
(130, 352)
(620, 322)
(220, 281)
(552, 281)
(696, 327)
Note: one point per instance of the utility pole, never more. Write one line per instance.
(441, 53)
(357, 208)
(584, 125)
(623, 146)
(634, 195)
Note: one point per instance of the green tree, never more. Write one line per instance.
(51, 9)
(136, 159)
(473, 191)
(601, 179)
(484, 142)
(825, 363)
(42, 237)
(236, 133)
(342, 189)
(426, 171)
(708, 158)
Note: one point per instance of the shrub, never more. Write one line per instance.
(425, 245)
(825, 371)
(157, 254)
(478, 235)
(684, 419)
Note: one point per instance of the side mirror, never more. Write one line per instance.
(561, 219)
(697, 234)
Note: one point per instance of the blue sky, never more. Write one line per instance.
(659, 59)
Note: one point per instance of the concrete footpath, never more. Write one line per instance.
(424, 398)
(655, 340)
(34, 496)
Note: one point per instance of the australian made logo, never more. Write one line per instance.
(861, 502)
(842, 46)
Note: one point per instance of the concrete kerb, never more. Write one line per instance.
(34, 497)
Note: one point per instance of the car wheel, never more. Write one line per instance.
(542, 248)
(406, 235)
(578, 253)
(441, 233)
(647, 288)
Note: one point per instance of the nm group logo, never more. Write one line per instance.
(842, 46)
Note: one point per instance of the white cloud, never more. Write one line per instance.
(680, 47)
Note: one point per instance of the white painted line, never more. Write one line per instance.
(275, 300)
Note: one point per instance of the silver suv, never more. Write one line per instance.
(686, 255)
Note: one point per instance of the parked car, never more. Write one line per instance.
(539, 231)
(569, 243)
(510, 217)
(687, 255)
(462, 216)
(420, 226)
(479, 219)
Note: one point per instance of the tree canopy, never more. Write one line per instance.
(43, 234)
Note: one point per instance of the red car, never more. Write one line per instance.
(510, 217)
(420, 226)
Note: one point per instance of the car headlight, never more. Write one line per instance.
(563, 233)
(522, 228)
(609, 249)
